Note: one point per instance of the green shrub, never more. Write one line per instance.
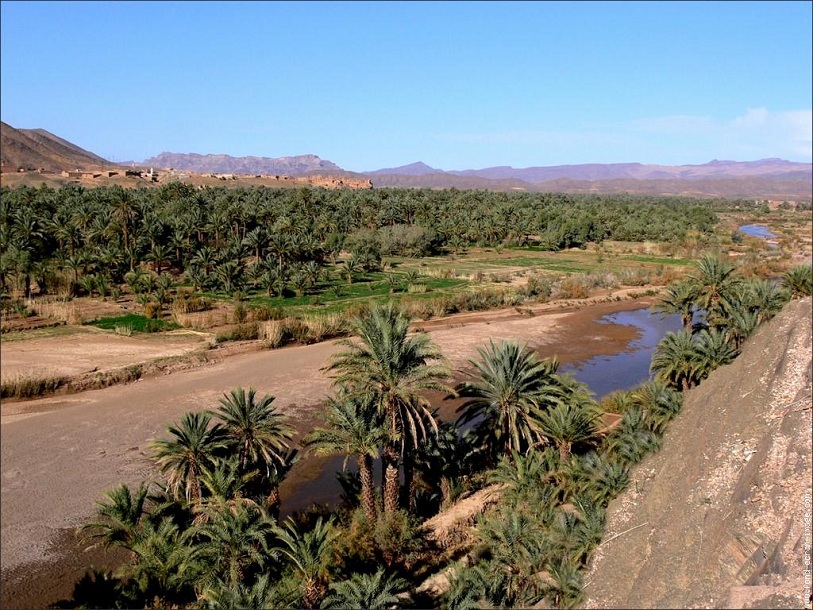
(135, 323)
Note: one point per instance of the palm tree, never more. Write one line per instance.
(355, 428)
(510, 390)
(253, 429)
(659, 402)
(799, 281)
(165, 565)
(366, 592)
(678, 299)
(676, 361)
(633, 439)
(118, 517)
(192, 448)
(309, 554)
(518, 548)
(740, 324)
(766, 297)
(713, 350)
(394, 367)
(565, 583)
(713, 280)
(226, 487)
(235, 541)
(273, 477)
(568, 423)
(219, 595)
(521, 475)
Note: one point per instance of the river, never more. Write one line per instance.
(316, 482)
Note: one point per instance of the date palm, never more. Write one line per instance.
(377, 591)
(355, 428)
(799, 281)
(676, 361)
(659, 402)
(235, 541)
(511, 387)
(165, 565)
(713, 280)
(568, 423)
(219, 595)
(273, 477)
(713, 350)
(678, 298)
(118, 517)
(253, 429)
(394, 367)
(190, 450)
(309, 554)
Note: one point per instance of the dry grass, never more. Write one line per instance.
(63, 310)
(27, 385)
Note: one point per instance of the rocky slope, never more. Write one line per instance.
(33, 149)
(720, 517)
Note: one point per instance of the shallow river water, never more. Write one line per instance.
(602, 374)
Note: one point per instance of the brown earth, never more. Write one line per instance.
(60, 454)
(721, 516)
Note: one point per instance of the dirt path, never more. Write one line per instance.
(60, 454)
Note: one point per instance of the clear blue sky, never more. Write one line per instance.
(458, 85)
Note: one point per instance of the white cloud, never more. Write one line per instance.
(757, 133)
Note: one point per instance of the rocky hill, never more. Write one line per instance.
(225, 164)
(33, 149)
(720, 517)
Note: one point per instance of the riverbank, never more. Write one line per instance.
(60, 454)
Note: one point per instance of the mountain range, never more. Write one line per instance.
(773, 178)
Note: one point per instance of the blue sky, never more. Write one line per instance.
(457, 85)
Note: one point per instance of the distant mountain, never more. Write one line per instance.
(773, 178)
(225, 164)
(638, 171)
(34, 149)
(413, 169)
(765, 178)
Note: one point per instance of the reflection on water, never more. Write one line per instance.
(756, 231)
(313, 481)
(630, 367)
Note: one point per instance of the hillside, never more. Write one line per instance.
(225, 164)
(33, 149)
(716, 519)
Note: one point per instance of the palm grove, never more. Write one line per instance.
(207, 531)
(282, 242)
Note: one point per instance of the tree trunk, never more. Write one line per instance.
(564, 451)
(312, 595)
(445, 492)
(273, 503)
(408, 497)
(389, 460)
(367, 488)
